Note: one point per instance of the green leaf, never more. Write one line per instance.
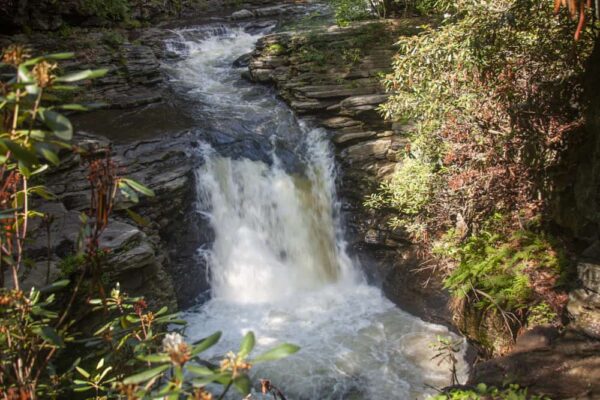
(242, 384)
(65, 88)
(83, 372)
(205, 343)
(277, 353)
(82, 75)
(48, 154)
(24, 169)
(223, 378)
(146, 375)
(60, 56)
(128, 192)
(49, 334)
(138, 187)
(200, 370)
(247, 344)
(73, 107)
(55, 286)
(58, 123)
(20, 153)
(155, 358)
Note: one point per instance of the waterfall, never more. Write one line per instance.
(278, 263)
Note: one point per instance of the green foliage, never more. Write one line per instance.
(434, 6)
(477, 87)
(113, 39)
(408, 191)
(352, 56)
(494, 267)
(71, 264)
(483, 392)
(541, 314)
(115, 10)
(347, 11)
(275, 49)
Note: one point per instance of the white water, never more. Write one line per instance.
(278, 263)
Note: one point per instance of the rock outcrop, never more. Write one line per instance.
(157, 261)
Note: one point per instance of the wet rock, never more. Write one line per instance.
(158, 261)
(373, 149)
(242, 14)
(344, 137)
(536, 338)
(242, 61)
(567, 368)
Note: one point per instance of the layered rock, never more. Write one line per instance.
(157, 261)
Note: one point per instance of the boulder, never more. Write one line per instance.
(584, 303)
(242, 14)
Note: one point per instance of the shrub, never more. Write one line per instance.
(494, 93)
(115, 10)
(408, 191)
(347, 11)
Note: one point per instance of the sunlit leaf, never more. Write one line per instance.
(55, 286)
(138, 187)
(242, 384)
(73, 107)
(146, 375)
(155, 358)
(247, 344)
(82, 75)
(83, 372)
(60, 56)
(58, 123)
(277, 353)
(206, 343)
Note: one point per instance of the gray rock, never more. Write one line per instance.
(584, 303)
(242, 14)
(373, 149)
(344, 137)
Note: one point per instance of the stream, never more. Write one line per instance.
(278, 264)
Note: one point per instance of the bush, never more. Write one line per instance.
(347, 11)
(494, 92)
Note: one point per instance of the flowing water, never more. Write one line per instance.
(278, 264)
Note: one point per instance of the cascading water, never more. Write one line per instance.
(278, 263)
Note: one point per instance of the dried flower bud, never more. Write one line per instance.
(42, 72)
(15, 55)
(201, 394)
